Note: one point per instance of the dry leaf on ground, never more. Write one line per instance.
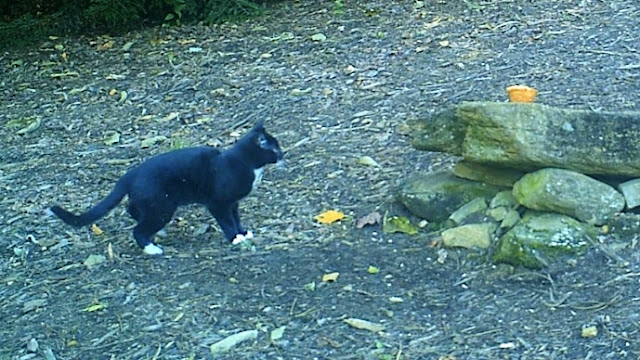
(330, 277)
(369, 219)
(364, 325)
(329, 217)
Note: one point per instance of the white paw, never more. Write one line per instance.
(152, 249)
(239, 239)
(249, 235)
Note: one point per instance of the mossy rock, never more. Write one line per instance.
(435, 196)
(539, 238)
(570, 193)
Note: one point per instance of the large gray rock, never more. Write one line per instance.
(533, 136)
(570, 193)
(539, 238)
(435, 196)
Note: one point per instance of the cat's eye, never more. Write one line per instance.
(264, 142)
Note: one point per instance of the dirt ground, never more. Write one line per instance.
(330, 99)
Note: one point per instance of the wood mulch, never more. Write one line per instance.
(335, 83)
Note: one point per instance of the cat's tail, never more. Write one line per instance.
(96, 212)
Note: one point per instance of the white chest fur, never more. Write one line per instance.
(257, 173)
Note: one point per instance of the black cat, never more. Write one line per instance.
(203, 175)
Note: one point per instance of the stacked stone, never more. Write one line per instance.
(551, 179)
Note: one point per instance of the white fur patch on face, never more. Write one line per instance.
(152, 249)
(257, 177)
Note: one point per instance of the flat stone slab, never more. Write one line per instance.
(533, 136)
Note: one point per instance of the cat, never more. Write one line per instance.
(202, 175)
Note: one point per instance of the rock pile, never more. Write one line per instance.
(534, 181)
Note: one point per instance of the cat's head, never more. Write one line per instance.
(267, 150)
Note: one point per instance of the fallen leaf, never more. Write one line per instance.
(126, 47)
(25, 125)
(110, 252)
(508, 345)
(95, 307)
(370, 219)
(115, 77)
(96, 230)
(230, 342)
(398, 224)
(78, 90)
(277, 333)
(64, 74)
(171, 116)
(350, 69)
(442, 256)
(368, 161)
(373, 270)
(364, 325)
(318, 37)
(106, 46)
(396, 300)
(93, 260)
(148, 142)
(589, 332)
(310, 286)
(329, 217)
(111, 137)
(299, 92)
(330, 277)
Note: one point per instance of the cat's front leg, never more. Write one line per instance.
(243, 234)
(226, 217)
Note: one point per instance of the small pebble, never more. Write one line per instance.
(32, 346)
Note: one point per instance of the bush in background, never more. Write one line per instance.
(25, 21)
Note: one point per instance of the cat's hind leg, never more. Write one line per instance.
(150, 221)
(135, 214)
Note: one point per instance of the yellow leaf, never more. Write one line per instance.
(330, 277)
(329, 217)
(589, 332)
(96, 230)
(373, 270)
(95, 307)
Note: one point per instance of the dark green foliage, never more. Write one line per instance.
(23, 21)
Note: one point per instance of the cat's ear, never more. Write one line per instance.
(259, 126)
